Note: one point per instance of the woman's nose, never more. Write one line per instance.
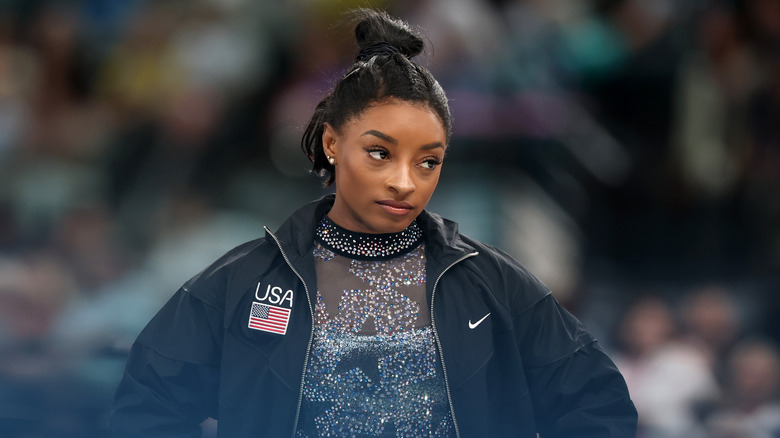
(401, 180)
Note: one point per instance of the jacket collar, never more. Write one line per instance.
(443, 243)
(296, 235)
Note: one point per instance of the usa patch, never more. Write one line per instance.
(267, 318)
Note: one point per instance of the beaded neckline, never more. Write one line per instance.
(365, 246)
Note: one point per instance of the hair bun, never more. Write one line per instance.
(378, 29)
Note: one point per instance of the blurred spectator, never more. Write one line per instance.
(750, 408)
(33, 291)
(141, 74)
(33, 288)
(712, 324)
(717, 76)
(666, 379)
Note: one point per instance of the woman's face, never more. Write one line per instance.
(388, 162)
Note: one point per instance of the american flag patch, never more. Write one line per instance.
(269, 318)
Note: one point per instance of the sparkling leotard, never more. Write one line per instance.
(373, 370)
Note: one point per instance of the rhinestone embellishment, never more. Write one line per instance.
(405, 391)
(367, 246)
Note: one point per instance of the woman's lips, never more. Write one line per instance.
(395, 207)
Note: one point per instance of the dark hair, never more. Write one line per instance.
(382, 71)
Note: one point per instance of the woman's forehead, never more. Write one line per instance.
(398, 115)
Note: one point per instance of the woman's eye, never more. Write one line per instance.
(378, 154)
(430, 163)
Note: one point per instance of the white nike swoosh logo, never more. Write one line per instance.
(473, 325)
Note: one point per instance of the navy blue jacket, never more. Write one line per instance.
(529, 367)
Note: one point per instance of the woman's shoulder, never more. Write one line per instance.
(503, 265)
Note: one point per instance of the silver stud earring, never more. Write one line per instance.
(331, 160)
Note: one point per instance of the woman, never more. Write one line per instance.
(365, 315)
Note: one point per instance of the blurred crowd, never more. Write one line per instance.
(626, 151)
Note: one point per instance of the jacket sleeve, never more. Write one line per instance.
(576, 388)
(171, 378)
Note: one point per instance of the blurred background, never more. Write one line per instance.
(626, 151)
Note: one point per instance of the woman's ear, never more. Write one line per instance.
(329, 140)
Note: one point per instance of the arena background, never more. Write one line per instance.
(626, 151)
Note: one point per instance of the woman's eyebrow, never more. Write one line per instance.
(433, 145)
(393, 141)
(381, 135)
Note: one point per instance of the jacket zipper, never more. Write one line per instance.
(311, 335)
(438, 341)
